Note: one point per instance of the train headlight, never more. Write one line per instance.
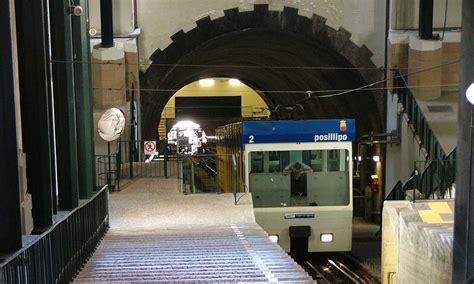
(326, 238)
(274, 238)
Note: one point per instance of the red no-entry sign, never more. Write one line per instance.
(149, 147)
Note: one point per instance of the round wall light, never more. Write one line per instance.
(470, 93)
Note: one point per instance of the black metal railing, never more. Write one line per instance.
(397, 192)
(198, 173)
(58, 254)
(106, 168)
(435, 182)
(417, 119)
(438, 176)
(412, 184)
(132, 162)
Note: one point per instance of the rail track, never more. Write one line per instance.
(337, 268)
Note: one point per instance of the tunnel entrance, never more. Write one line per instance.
(212, 102)
(280, 54)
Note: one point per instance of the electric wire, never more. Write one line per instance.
(380, 81)
(274, 91)
(220, 66)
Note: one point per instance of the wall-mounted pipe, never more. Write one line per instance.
(107, 23)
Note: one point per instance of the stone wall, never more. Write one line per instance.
(417, 241)
(159, 19)
(114, 77)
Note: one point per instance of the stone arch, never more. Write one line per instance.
(263, 38)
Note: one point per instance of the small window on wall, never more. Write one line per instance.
(256, 162)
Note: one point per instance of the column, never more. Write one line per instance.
(10, 230)
(64, 104)
(463, 246)
(84, 114)
(33, 59)
(423, 55)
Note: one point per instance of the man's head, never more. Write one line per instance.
(297, 166)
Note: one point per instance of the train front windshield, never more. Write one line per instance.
(299, 178)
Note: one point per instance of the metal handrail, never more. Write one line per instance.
(439, 164)
(58, 254)
(396, 192)
(412, 181)
(417, 119)
(439, 176)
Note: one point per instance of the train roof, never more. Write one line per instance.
(281, 131)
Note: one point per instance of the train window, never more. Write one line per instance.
(300, 178)
(256, 162)
(273, 161)
(333, 160)
(316, 161)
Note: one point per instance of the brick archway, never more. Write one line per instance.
(263, 43)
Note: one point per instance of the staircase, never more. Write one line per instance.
(435, 177)
(162, 129)
(191, 254)
(204, 181)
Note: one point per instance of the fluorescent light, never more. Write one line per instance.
(470, 93)
(376, 158)
(273, 238)
(235, 82)
(327, 238)
(206, 82)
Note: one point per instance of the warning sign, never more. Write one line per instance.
(149, 147)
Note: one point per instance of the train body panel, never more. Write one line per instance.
(299, 173)
(337, 222)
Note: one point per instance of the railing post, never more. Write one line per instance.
(109, 168)
(193, 185)
(165, 154)
(130, 159)
(234, 178)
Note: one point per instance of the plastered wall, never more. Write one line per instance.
(400, 158)
(122, 14)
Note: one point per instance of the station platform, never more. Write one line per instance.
(160, 235)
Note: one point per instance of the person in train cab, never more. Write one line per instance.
(298, 178)
(297, 169)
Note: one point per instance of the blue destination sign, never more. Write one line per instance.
(286, 131)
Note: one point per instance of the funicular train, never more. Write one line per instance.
(299, 173)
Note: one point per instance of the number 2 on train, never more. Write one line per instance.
(251, 137)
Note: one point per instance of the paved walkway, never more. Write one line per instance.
(160, 235)
(156, 202)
